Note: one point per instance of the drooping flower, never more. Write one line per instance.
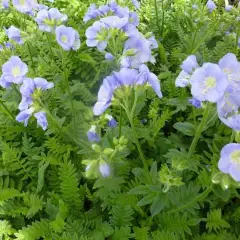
(14, 70)
(4, 83)
(231, 67)
(208, 83)
(136, 4)
(96, 36)
(41, 119)
(104, 169)
(109, 57)
(228, 8)
(92, 134)
(211, 5)
(31, 87)
(8, 45)
(195, 102)
(111, 121)
(92, 13)
(105, 95)
(24, 6)
(228, 108)
(5, 3)
(14, 34)
(48, 20)
(67, 38)
(229, 162)
(145, 76)
(125, 77)
(189, 64)
(25, 115)
(183, 79)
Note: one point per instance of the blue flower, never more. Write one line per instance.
(5, 3)
(145, 76)
(195, 102)
(125, 77)
(142, 51)
(190, 64)
(94, 39)
(92, 134)
(14, 34)
(41, 119)
(228, 8)
(24, 116)
(228, 108)
(14, 70)
(28, 89)
(24, 6)
(114, 21)
(4, 83)
(229, 162)
(104, 169)
(210, 5)
(109, 57)
(183, 79)
(67, 38)
(48, 20)
(111, 121)
(92, 13)
(231, 67)
(136, 4)
(208, 83)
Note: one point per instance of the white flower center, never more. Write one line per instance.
(235, 157)
(22, 2)
(210, 82)
(16, 71)
(64, 38)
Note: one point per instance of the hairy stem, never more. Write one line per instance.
(120, 123)
(195, 200)
(7, 110)
(68, 90)
(130, 115)
(157, 17)
(199, 132)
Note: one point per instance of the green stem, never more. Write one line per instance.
(130, 117)
(232, 136)
(195, 200)
(30, 54)
(68, 90)
(163, 13)
(7, 110)
(49, 41)
(120, 123)
(203, 39)
(16, 90)
(236, 43)
(199, 132)
(157, 17)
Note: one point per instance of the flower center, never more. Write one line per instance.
(64, 38)
(22, 2)
(16, 71)
(210, 82)
(235, 156)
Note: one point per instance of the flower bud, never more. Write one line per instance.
(96, 148)
(108, 151)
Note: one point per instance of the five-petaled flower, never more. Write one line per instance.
(230, 160)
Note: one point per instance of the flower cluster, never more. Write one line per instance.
(220, 84)
(14, 72)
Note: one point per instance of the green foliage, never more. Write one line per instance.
(156, 190)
